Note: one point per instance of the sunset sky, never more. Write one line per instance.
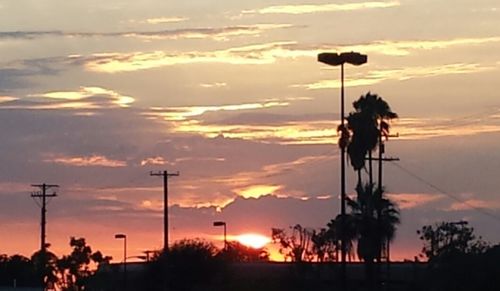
(95, 94)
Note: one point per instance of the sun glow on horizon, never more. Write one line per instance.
(253, 240)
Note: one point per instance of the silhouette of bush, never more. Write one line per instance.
(236, 252)
(188, 263)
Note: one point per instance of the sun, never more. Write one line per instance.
(253, 240)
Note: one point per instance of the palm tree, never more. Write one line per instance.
(372, 231)
(368, 123)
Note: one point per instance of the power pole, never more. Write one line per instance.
(40, 198)
(381, 160)
(165, 175)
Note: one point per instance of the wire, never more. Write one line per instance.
(440, 190)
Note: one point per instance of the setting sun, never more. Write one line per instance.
(256, 241)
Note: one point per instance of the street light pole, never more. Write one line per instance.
(124, 237)
(222, 223)
(335, 59)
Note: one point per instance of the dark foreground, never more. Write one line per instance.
(265, 276)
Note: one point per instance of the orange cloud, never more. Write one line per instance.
(7, 99)
(474, 203)
(163, 20)
(90, 161)
(264, 54)
(315, 8)
(86, 92)
(378, 76)
(213, 85)
(154, 161)
(86, 98)
(183, 113)
(256, 191)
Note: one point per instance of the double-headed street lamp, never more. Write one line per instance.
(222, 223)
(124, 237)
(335, 59)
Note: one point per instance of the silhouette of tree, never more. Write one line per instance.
(458, 261)
(19, 269)
(325, 244)
(45, 264)
(187, 263)
(74, 269)
(371, 232)
(369, 121)
(446, 238)
(237, 252)
(295, 245)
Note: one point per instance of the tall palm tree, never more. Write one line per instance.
(372, 231)
(368, 123)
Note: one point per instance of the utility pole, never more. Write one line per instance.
(165, 175)
(40, 198)
(381, 160)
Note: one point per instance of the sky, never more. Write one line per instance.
(96, 94)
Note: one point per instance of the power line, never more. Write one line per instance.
(440, 190)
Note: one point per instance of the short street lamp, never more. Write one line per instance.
(124, 237)
(335, 59)
(222, 223)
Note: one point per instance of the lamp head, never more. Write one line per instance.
(335, 59)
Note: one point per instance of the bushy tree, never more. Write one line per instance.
(446, 238)
(237, 252)
(458, 260)
(75, 268)
(45, 265)
(186, 264)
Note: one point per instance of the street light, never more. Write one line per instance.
(124, 237)
(222, 223)
(335, 59)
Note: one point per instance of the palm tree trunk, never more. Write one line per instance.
(370, 168)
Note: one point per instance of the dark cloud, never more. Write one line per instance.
(16, 75)
(216, 32)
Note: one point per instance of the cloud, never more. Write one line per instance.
(317, 130)
(214, 85)
(86, 98)
(214, 33)
(402, 74)
(7, 99)
(413, 200)
(405, 47)
(269, 53)
(474, 204)
(315, 8)
(184, 113)
(163, 20)
(256, 191)
(14, 75)
(425, 128)
(320, 132)
(125, 62)
(154, 161)
(85, 161)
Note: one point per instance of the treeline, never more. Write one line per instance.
(45, 269)
(457, 259)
